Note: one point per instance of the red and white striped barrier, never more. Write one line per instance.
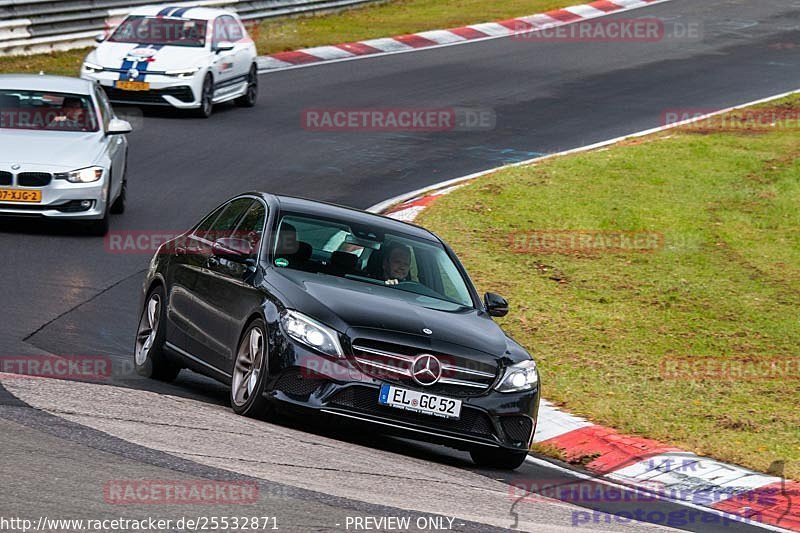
(449, 37)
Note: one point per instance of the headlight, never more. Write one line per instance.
(91, 67)
(84, 175)
(520, 377)
(308, 331)
(182, 73)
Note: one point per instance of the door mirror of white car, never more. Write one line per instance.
(100, 37)
(118, 127)
(224, 46)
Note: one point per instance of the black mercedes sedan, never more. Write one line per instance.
(308, 307)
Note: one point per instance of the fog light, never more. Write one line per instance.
(86, 204)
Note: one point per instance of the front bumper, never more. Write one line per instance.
(317, 384)
(181, 93)
(62, 200)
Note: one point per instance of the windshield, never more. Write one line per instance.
(417, 268)
(35, 110)
(163, 31)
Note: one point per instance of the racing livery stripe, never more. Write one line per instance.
(163, 12)
(181, 11)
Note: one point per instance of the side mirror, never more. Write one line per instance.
(224, 46)
(118, 127)
(495, 304)
(100, 37)
(233, 249)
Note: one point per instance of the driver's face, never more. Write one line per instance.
(288, 242)
(399, 264)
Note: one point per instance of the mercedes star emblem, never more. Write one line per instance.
(426, 369)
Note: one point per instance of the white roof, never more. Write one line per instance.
(180, 11)
(56, 84)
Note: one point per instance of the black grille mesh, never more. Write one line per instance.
(365, 400)
(296, 385)
(5, 178)
(517, 428)
(34, 179)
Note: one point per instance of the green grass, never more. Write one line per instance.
(383, 20)
(725, 285)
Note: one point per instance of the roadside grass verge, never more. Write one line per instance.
(384, 20)
(607, 326)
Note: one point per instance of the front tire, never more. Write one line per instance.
(249, 98)
(206, 98)
(118, 207)
(249, 376)
(148, 356)
(498, 459)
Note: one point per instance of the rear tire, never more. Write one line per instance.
(148, 355)
(250, 371)
(498, 459)
(206, 98)
(249, 98)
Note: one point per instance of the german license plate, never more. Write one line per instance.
(16, 195)
(419, 402)
(132, 85)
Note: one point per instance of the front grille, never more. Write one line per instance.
(517, 428)
(5, 178)
(153, 96)
(460, 376)
(34, 179)
(365, 400)
(293, 383)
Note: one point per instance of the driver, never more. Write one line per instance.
(396, 264)
(288, 244)
(70, 116)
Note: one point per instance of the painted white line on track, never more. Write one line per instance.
(382, 206)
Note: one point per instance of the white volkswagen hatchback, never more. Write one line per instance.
(63, 151)
(184, 57)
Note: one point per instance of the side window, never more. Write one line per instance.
(201, 230)
(219, 33)
(251, 226)
(233, 31)
(226, 223)
(222, 222)
(106, 112)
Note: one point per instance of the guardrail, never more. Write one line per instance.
(36, 26)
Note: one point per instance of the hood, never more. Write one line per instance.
(62, 150)
(112, 55)
(349, 305)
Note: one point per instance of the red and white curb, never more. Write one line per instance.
(450, 37)
(767, 501)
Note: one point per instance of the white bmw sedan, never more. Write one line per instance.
(184, 57)
(63, 152)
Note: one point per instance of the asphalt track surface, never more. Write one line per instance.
(63, 293)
